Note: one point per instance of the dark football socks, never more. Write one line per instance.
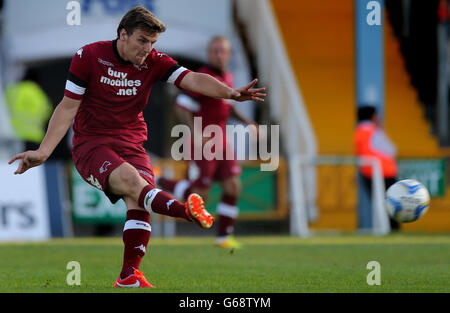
(136, 234)
(162, 203)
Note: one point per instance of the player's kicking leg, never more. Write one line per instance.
(141, 197)
(183, 189)
(162, 202)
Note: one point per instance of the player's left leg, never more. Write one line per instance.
(136, 235)
(137, 188)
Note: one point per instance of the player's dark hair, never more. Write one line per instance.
(140, 17)
(366, 112)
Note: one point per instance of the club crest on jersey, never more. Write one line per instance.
(80, 52)
(104, 167)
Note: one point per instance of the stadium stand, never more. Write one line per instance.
(319, 38)
(402, 100)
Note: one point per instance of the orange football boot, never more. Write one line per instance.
(195, 209)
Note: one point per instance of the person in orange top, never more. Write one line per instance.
(370, 140)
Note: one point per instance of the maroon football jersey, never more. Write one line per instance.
(213, 111)
(114, 92)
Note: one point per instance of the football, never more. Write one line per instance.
(407, 200)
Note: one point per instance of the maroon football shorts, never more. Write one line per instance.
(97, 157)
(202, 173)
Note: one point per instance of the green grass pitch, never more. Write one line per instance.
(409, 263)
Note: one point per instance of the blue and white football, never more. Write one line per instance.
(407, 200)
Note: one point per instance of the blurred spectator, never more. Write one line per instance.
(371, 141)
(30, 109)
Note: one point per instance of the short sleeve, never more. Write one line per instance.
(171, 71)
(78, 77)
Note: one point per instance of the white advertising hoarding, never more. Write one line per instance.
(23, 204)
(47, 29)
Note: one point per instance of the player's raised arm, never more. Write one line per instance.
(59, 124)
(209, 86)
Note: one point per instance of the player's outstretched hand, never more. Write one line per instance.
(248, 93)
(28, 159)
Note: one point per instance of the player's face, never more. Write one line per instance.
(219, 53)
(138, 45)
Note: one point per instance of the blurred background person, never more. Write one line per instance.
(370, 140)
(29, 108)
(202, 173)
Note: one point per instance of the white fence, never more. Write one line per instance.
(380, 225)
